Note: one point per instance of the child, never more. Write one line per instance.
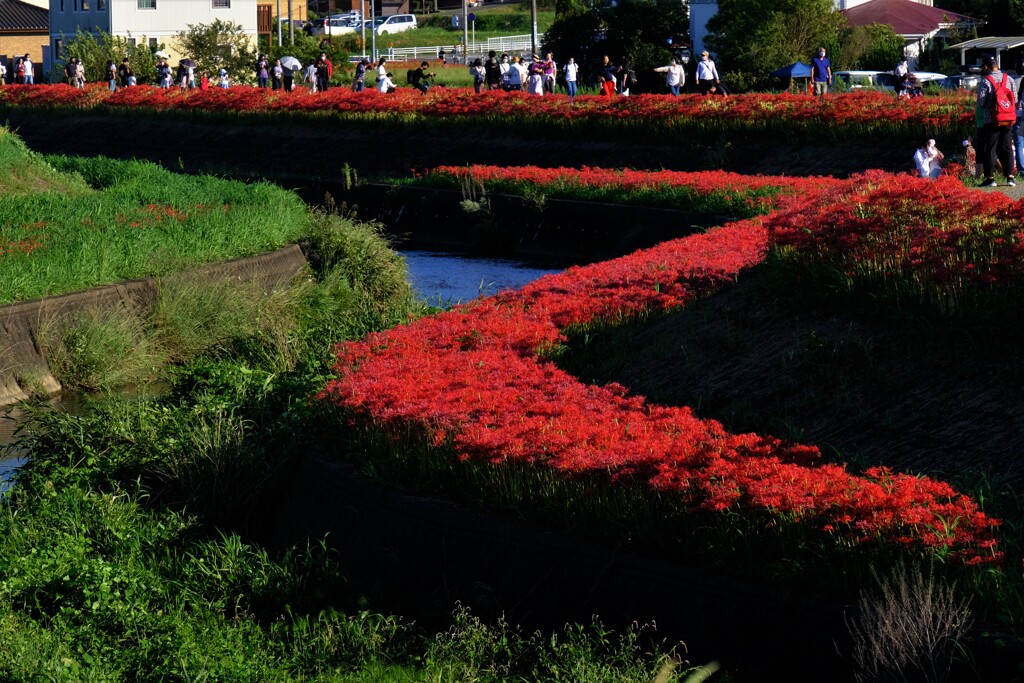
(225, 82)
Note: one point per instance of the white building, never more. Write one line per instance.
(144, 22)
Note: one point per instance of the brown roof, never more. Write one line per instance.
(906, 17)
(21, 16)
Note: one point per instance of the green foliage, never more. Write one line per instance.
(220, 44)
(633, 30)
(100, 348)
(95, 49)
(755, 37)
(141, 220)
(871, 48)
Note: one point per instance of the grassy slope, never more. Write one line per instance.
(69, 224)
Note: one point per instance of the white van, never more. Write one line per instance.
(396, 23)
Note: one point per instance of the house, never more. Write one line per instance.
(24, 28)
(268, 10)
(917, 22)
(144, 22)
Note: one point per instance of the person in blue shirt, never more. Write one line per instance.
(822, 71)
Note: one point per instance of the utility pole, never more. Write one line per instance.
(279, 23)
(373, 29)
(291, 26)
(465, 31)
(533, 24)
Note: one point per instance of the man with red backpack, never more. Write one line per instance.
(996, 111)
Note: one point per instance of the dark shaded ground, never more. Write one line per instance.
(293, 152)
(868, 390)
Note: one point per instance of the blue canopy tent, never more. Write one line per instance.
(792, 72)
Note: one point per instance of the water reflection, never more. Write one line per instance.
(444, 279)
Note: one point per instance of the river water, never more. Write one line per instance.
(442, 279)
(445, 279)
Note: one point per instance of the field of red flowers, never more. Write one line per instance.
(475, 379)
(855, 113)
(698, 192)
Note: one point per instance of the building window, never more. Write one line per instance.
(61, 5)
(58, 47)
(101, 5)
(131, 45)
(221, 4)
(147, 4)
(153, 44)
(85, 5)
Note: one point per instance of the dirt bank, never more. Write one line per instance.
(293, 152)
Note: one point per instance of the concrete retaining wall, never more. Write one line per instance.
(23, 363)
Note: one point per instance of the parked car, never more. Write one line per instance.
(396, 23)
(924, 77)
(961, 82)
(334, 27)
(862, 79)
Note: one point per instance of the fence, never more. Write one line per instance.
(454, 53)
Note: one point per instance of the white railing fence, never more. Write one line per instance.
(454, 53)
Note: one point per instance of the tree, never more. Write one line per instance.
(752, 38)
(871, 48)
(95, 50)
(220, 45)
(634, 30)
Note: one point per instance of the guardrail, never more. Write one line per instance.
(454, 53)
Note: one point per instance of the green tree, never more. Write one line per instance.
(876, 47)
(752, 38)
(220, 45)
(95, 50)
(634, 30)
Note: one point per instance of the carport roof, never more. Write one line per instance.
(992, 42)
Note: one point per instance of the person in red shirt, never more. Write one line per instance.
(204, 81)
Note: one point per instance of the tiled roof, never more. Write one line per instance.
(21, 16)
(906, 17)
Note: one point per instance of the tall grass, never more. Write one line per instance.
(100, 221)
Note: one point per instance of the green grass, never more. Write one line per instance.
(120, 220)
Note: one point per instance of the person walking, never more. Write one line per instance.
(821, 69)
(1018, 127)
(359, 78)
(550, 71)
(310, 76)
(536, 79)
(996, 137)
(608, 71)
(276, 75)
(515, 75)
(707, 74)
(675, 76)
(111, 72)
(492, 71)
(124, 73)
(571, 72)
(29, 70)
(262, 72)
(479, 74)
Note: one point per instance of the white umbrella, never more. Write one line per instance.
(161, 53)
(291, 63)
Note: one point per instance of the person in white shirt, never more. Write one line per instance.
(516, 75)
(571, 70)
(310, 76)
(382, 70)
(675, 77)
(503, 68)
(30, 73)
(707, 74)
(385, 84)
(928, 160)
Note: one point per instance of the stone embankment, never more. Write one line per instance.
(24, 369)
